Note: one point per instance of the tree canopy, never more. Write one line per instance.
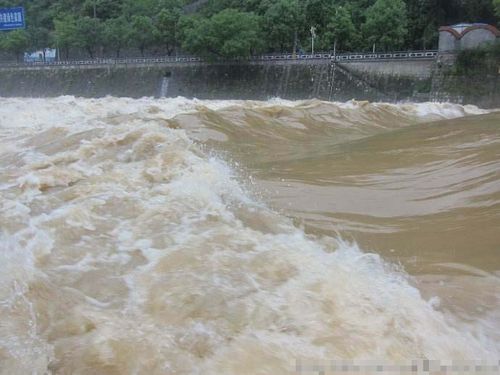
(235, 28)
(283, 20)
(496, 4)
(227, 34)
(116, 34)
(340, 30)
(386, 24)
(16, 42)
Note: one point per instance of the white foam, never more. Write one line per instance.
(137, 235)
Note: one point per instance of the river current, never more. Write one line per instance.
(157, 236)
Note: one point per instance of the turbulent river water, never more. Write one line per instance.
(234, 237)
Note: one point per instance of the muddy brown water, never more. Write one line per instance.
(222, 237)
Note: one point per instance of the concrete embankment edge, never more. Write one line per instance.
(392, 81)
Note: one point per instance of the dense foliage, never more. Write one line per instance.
(496, 4)
(235, 28)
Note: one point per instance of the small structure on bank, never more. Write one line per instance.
(466, 36)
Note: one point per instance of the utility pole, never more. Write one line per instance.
(313, 35)
(95, 8)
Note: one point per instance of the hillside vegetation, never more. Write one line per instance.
(235, 28)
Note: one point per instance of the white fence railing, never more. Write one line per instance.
(343, 57)
(407, 55)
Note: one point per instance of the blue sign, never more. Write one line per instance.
(12, 18)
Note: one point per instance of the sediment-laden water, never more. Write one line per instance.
(231, 237)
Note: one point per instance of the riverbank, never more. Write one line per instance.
(389, 81)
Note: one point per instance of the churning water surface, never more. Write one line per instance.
(233, 237)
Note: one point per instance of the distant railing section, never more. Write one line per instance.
(407, 55)
(343, 57)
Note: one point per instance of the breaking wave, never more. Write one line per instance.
(133, 240)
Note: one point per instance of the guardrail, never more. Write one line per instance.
(407, 55)
(344, 57)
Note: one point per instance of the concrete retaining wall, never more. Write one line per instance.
(417, 69)
(286, 79)
(389, 81)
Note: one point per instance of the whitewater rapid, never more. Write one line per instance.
(128, 245)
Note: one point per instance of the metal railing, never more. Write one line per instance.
(343, 57)
(399, 55)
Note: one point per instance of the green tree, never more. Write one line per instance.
(116, 34)
(65, 33)
(285, 23)
(104, 9)
(16, 42)
(341, 31)
(166, 25)
(142, 32)
(235, 34)
(358, 9)
(496, 4)
(318, 13)
(284, 20)
(192, 33)
(478, 11)
(39, 37)
(386, 24)
(131, 8)
(88, 34)
(227, 34)
(424, 19)
(40, 15)
(215, 6)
